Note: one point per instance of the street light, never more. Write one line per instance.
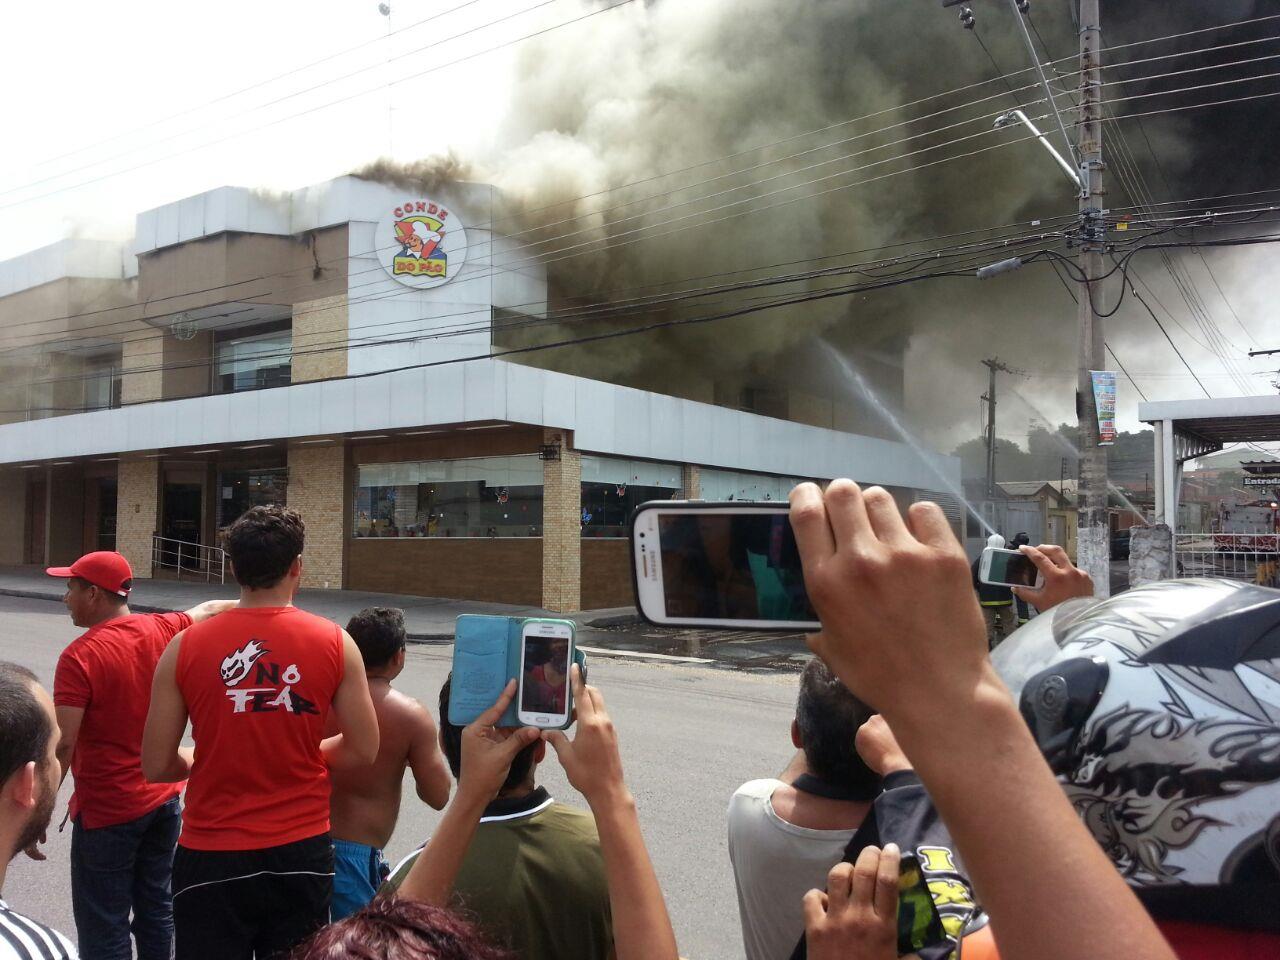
(1017, 116)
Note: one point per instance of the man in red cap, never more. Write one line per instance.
(124, 829)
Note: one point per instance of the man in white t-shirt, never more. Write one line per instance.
(29, 777)
(785, 834)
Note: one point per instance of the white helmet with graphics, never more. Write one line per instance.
(1159, 709)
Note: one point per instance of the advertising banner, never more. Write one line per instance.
(1104, 399)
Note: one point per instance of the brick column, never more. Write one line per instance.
(142, 353)
(562, 531)
(13, 516)
(137, 512)
(318, 490)
(690, 482)
(320, 325)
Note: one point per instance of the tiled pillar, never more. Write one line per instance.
(320, 339)
(317, 490)
(562, 531)
(137, 512)
(146, 355)
(13, 516)
(690, 482)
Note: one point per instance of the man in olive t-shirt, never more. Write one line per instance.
(534, 875)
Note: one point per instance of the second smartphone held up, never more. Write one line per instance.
(546, 652)
(1008, 568)
(719, 565)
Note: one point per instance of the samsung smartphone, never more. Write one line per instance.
(1008, 568)
(919, 924)
(546, 651)
(703, 564)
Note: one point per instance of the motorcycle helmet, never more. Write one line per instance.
(1159, 711)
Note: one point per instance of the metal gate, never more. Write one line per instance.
(1254, 558)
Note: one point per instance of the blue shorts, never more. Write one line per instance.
(358, 872)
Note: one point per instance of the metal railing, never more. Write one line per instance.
(195, 560)
(1237, 556)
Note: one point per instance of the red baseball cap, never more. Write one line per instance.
(103, 568)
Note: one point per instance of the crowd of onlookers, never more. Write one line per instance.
(905, 739)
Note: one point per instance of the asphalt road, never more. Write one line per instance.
(690, 735)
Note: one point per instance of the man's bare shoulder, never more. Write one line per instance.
(401, 708)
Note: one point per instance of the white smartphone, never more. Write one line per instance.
(1009, 568)
(735, 564)
(546, 651)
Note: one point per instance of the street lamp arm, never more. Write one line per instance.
(1005, 120)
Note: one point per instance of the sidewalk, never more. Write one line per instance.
(428, 619)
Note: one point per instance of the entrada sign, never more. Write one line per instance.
(422, 243)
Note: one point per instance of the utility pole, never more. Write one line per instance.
(992, 364)
(1093, 545)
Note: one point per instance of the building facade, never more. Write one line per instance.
(331, 349)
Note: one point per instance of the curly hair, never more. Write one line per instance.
(394, 928)
(263, 544)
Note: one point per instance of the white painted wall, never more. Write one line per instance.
(606, 419)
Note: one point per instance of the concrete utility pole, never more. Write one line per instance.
(992, 364)
(1094, 542)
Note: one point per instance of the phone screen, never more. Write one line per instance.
(544, 686)
(740, 566)
(919, 925)
(1015, 569)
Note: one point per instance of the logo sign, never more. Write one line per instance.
(422, 243)
(1104, 398)
(1262, 481)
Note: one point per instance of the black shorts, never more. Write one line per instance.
(241, 904)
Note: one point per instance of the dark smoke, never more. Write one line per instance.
(663, 85)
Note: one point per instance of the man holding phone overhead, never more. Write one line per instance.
(534, 874)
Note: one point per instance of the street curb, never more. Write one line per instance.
(55, 598)
(617, 620)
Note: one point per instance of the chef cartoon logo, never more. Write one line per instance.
(422, 243)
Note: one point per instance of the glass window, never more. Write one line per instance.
(475, 497)
(731, 485)
(238, 490)
(102, 383)
(259, 360)
(612, 489)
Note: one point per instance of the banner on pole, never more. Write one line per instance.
(1104, 399)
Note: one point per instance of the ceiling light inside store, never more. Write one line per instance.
(255, 446)
(301, 442)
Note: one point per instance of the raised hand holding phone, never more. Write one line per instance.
(641, 925)
(1061, 579)
(489, 750)
(591, 760)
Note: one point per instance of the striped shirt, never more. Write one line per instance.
(24, 939)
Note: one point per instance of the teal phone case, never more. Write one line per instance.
(486, 654)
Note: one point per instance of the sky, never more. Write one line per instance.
(138, 104)
(130, 106)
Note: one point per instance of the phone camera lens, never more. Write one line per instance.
(641, 536)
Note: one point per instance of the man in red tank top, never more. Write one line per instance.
(253, 872)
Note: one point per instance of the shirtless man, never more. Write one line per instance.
(366, 802)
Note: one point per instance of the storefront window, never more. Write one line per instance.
(238, 490)
(731, 485)
(254, 361)
(476, 497)
(612, 489)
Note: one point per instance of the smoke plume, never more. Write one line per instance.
(602, 110)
